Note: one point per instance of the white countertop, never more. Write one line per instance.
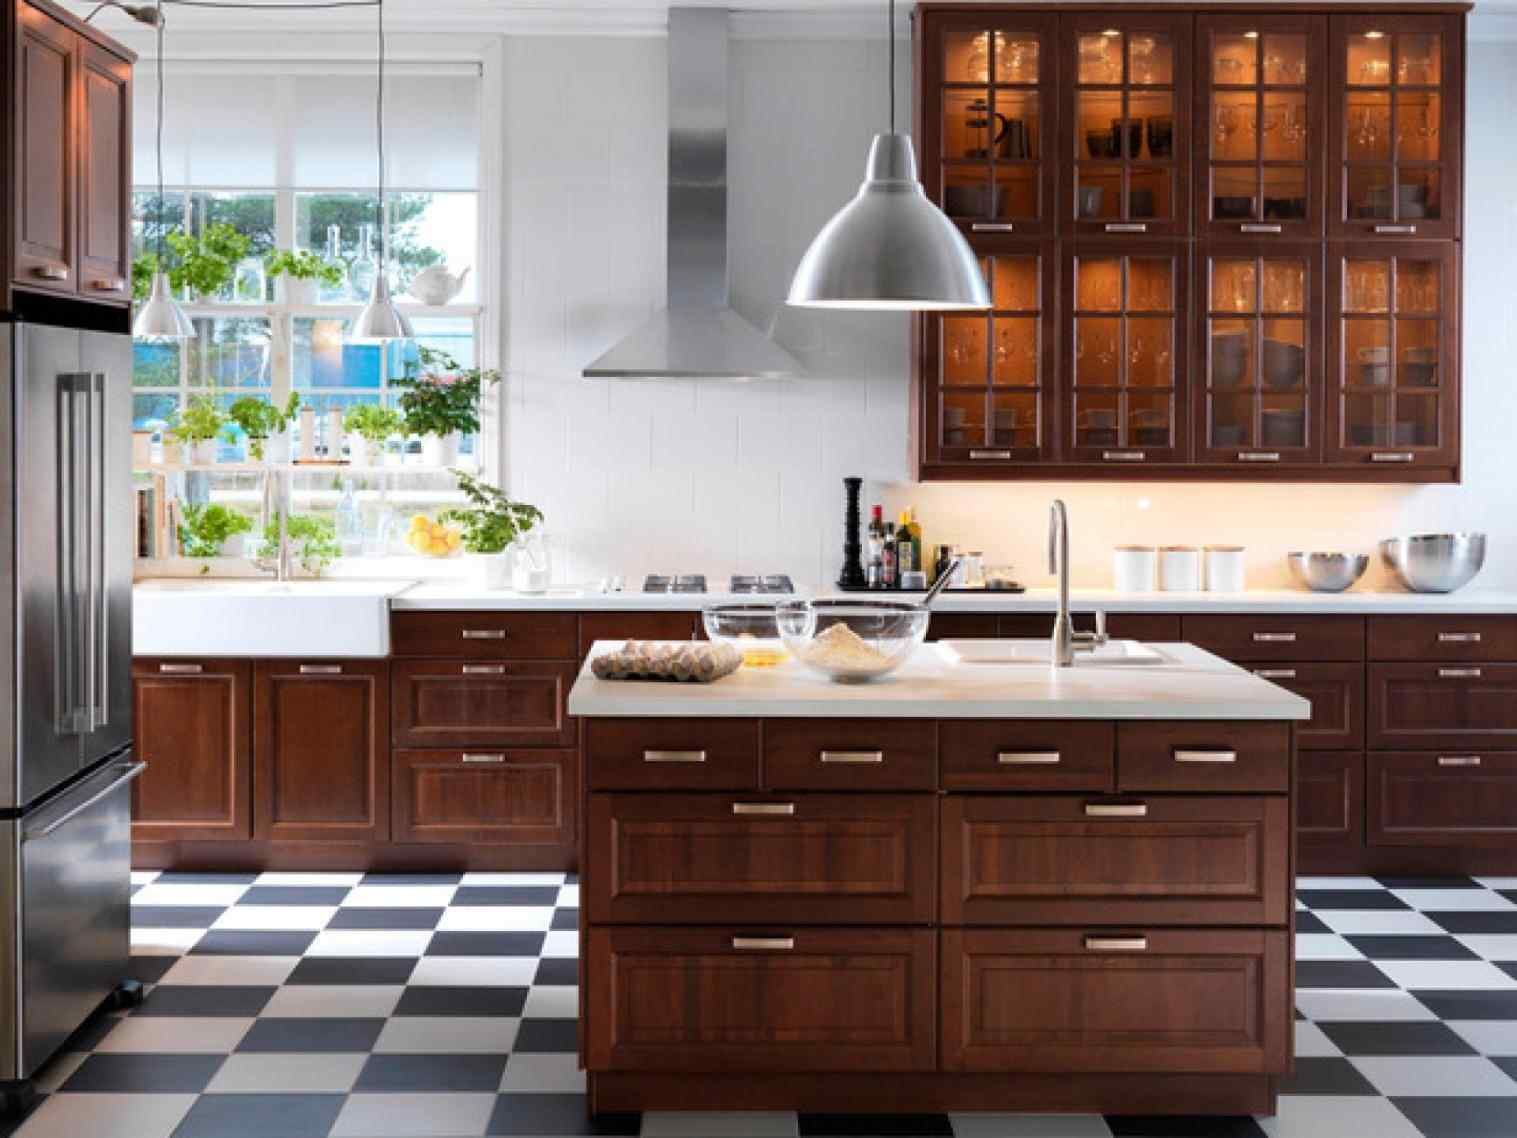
(930, 686)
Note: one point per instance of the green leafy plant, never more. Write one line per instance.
(314, 540)
(440, 397)
(491, 521)
(303, 265)
(373, 422)
(259, 419)
(207, 526)
(199, 422)
(205, 263)
(143, 268)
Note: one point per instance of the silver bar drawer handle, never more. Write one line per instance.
(1405, 229)
(1116, 943)
(1259, 456)
(1274, 638)
(674, 756)
(763, 808)
(1459, 638)
(764, 943)
(1458, 673)
(1275, 673)
(1199, 756)
(993, 227)
(1116, 809)
(321, 669)
(1260, 227)
(473, 757)
(1127, 227)
(990, 454)
(1123, 455)
(482, 669)
(181, 669)
(855, 758)
(1028, 758)
(1393, 456)
(52, 271)
(484, 634)
(1458, 760)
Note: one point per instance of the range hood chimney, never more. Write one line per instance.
(697, 335)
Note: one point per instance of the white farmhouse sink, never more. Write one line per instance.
(177, 617)
(1118, 652)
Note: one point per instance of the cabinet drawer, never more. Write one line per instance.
(807, 858)
(1330, 798)
(962, 626)
(1277, 637)
(672, 754)
(724, 999)
(485, 635)
(446, 703)
(1443, 637)
(1070, 859)
(1200, 755)
(1202, 1001)
(484, 797)
(1336, 692)
(595, 626)
(850, 754)
(1425, 706)
(1001, 754)
(1442, 798)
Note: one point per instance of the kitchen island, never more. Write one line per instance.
(993, 887)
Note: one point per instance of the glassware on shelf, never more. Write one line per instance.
(340, 292)
(365, 265)
(249, 282)
(350, 531)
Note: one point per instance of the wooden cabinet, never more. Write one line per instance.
(1441, 799)
(321, 750)
(1451, 637)
(595, 626)
(105, 108)
(851, 754)
(451, 703)
(509, 797)
(672, 754)
(1330, 803)
(1422, 706)
(1336, 692)
(192, 720)
(485, 635)
(1277, 638)
(1027, 754)
(1186, 755)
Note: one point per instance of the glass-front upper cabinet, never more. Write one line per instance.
(987, 138)
(1125, 357)
(1398, 84)
(1394, 354)
(1260, 130)
(1126, 136)
(1260, 354)
(990, 402)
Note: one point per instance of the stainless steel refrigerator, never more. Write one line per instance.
(66, 546)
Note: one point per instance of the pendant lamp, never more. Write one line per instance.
(161, 318)
(890, 248)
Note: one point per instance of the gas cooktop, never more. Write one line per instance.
(696, 583)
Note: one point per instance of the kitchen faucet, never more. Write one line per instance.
(276, 500)
(1066, 641)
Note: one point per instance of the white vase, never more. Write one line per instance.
(365, 452)
(440, 450)
(276, 448)
(202, 452)
(297, 292)
(494, 569)
(308, 434)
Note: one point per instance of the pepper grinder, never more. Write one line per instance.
(852, 576)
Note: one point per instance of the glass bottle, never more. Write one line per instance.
(341, 292)
(361, 272)
(250, 283)
(350, 533)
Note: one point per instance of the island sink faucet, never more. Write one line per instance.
(1066, 641)
(276, 503)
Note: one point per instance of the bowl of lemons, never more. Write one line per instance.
(434, 539)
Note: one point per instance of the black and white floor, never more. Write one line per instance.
(306, 1005)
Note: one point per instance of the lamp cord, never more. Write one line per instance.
(890, 51)
(379, 131)
(158, 134)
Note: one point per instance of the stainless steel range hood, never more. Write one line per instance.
(697, 335)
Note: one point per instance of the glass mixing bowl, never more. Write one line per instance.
(751, 629)
(852, 641)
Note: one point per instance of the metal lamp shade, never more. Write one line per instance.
(161, 318)
(380, 321)
(890, 248)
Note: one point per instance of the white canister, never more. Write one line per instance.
(494, 569)
(1179, 568)
(334, 435)
(1133, 568)
(308, 434)
(1224, 569)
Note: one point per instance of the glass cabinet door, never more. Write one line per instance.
(1398, 88)
(1260, 354)
(1394, 354)
(1261, 90)
(1126, 123)
(990, 401)
(987, 157)
(1125, 354)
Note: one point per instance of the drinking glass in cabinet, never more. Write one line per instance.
(1017, 58)
(1419, 59)
(1284, 285)
(1417, 286)
(1233, 286)
(1369, 59)
(1285, 60)
(1234, 60)
(1366, 286)
(1098, 284)
(1150, 284)
(1149, 352)
(1100, 57)
(1097, 340)
(1284, 134)
(1150, 59)
(966, 55)
(964, 355)
(1418, 114)
(1235, 130)
(1015, 363)
(1013, 283)
(1369, 123)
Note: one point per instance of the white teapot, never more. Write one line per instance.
(435, 285)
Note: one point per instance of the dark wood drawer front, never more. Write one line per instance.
(1330, 798)
(1274, 637)
(484, 797)
(1070, 859)
(485, 635)
(1443, 798)
(672, 754)
(595, 626)
(962, 626)
(442, 703)
(1423, 706)
(1160, 626)
(1168, 1000)
(808, 858)
(1443, 637)
(705, 999)
(1336, 692)
(1004, 754)
(1232, 758)
(850, 754)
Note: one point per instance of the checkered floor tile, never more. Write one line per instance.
(331, 1005)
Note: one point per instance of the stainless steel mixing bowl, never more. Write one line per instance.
(1327, 572)
(1434, 562)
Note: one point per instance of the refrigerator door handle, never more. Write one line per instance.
(99, 633)
(124, 773)
(66, 618)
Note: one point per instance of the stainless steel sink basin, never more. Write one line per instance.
(1119, 653)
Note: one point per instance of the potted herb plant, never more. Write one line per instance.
(313, 540)
(440, 400)
(491, 523)
(262, 422)
(196, 428)
(299, 273)
(205, 264)
(368, 426)
(208, 528)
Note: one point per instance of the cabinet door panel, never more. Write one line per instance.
(485, 635)
(45, 178)
(442, 703)
(1116, 1000)
(105, 269)
(1443, 799)
(1026, 754)
(1330, 799)
(1336, 692)
(321, 750)
(1224, 758)
(1421, 706)
(724, 1000)
(193, 729)
(850, 754)
(1452, 637)
(485, 797)
(672, 754)
(1270, 638)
